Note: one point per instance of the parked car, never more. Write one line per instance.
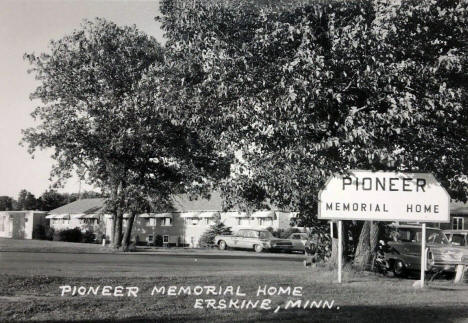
(457, 237)
(404, 253)
(257, 240)
(298, 241)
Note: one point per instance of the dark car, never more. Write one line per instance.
(404, 252)
(298, 241)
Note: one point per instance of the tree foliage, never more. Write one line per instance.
(102, 114)
(218, 228)
(324, 88)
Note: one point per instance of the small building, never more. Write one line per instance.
(85, 214)
(20, 224)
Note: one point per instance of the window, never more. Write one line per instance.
(150, 222)
(244, 221)
(195, 221)
(165, 239)
(457, 223)
(85, 221)
(167, 222)
(150, 238)
(266, 221)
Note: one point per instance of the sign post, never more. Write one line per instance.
(423, 254)
(340, 250)
(384, 196)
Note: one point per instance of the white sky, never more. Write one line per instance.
(27, 26)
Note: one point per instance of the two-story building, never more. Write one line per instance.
(181, 225)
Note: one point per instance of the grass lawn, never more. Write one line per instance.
(362, 298)
(50, 246)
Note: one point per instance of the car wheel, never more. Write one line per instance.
(222, 245)
(258, 248)
(399, 268)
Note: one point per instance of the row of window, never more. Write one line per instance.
(82, 221)
(208, 221)
(165, 238)
(165, 222)
(259, 221)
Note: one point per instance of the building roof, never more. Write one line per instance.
(86, 206)
(183, 203)
(458, 208)
(180, 203)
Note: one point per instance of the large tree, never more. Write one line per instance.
(319, 89)
(102, 115)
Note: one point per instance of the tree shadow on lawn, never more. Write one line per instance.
(355, 313)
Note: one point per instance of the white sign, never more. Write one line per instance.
(384, 196)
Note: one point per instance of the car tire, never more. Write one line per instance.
(222, 245)
(258, 248)
(399, 268)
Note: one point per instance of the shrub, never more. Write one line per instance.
(207, 238)
(39, 232)
(158, 240)
(88, 237)
(50, 233)
(69, 235)
(42, 231)
(320, 237)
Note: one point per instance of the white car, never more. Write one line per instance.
(298, 241)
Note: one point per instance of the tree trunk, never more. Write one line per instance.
(363, 252)
(118, 215)
(118, 229)
(374, 237)
(128, 232)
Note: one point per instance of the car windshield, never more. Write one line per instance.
(265, 235)
(415, 235)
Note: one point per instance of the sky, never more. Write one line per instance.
(28, 26)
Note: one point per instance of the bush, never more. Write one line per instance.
(39, 232)
(158, 240)
(50, 233)
(68, 235)
(42, 232)
(88, 237)
(207, 238)
(321, 240)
